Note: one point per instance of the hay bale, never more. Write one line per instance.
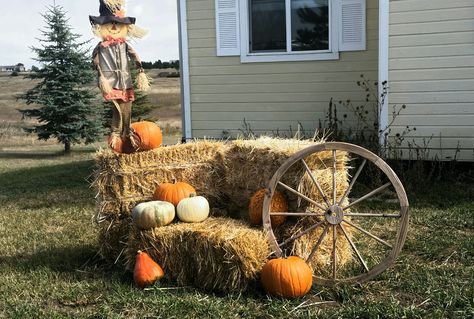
(113, 237)
(218, 254)
(250, 164)
(124, 180)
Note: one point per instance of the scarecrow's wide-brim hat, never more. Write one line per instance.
(110, 12)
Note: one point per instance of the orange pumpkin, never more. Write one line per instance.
(287, 277)
(146, 271)
(173, 192)
(149, 134)
(279, 204)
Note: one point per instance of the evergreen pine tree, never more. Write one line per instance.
(66, 98)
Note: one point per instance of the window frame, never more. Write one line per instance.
(331, 54)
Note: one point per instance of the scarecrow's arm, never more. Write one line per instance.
(143, 82)
(95, 56)
(134, 56)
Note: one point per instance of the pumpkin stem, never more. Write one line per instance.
(139, 251)
(192, 195)
(174, 181)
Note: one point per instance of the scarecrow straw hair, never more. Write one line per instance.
(228, 174)
(136, 32)
(218, 254)
(114, 4)
(96, 30)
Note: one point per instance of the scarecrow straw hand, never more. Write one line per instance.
(142, 81)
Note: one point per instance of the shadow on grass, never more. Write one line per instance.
(39, 155)
(58, 259)
(80, 261)
(47, 185)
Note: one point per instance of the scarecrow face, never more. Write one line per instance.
(115, 30)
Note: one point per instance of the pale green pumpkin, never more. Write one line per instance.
(194, 209)
(153, 214)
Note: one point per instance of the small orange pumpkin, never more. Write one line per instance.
(146, 271)
(279, 204)
(287, 277)
(149, 134)
(173, 192)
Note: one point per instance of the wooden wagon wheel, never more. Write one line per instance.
(337, 215)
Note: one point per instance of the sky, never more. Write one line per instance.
(20, 21)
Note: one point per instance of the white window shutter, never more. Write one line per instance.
(352, 25)
(227, 27)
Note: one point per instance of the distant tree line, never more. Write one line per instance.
(173, 64)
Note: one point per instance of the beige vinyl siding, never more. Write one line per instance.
(431, 71)
(270, 96)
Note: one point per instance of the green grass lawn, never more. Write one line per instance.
(49, 267)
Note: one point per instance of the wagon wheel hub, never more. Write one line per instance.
(334, 215)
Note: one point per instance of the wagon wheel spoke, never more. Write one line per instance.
(302, 196)
(295, 237)
(359, 170)
(296, 214)
(368, 195)
(334, 177)
(318, 186)
(354, 248)
(367, 233)
(372, 215)
(315, 248)
(334, 257)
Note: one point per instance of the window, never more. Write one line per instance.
(309, 30)
(289, 30)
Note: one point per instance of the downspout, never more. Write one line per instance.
(384, 7)
(184, 71)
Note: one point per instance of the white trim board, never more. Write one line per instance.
(184, 70)
(383, 64)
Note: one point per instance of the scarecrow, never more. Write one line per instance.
(112, 58)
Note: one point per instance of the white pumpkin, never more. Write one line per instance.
(194, 209)
(153, 214)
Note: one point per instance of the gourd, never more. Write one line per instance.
(279, 204)
(146, 270)
(149, 134)
(173, 192)
(287, 277)
(153, 214)
(194, 209)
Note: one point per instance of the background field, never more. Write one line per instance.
(48, 243)
(164, 95)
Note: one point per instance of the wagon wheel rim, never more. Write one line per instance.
(337, 215)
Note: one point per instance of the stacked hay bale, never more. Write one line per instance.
(124, 181)
(219, 253)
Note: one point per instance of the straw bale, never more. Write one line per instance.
(113, 237)
(250, 164)
(221, 253)
(124, 180)
(218, 254)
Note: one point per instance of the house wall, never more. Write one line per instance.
(270, 96)
(431, 71)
